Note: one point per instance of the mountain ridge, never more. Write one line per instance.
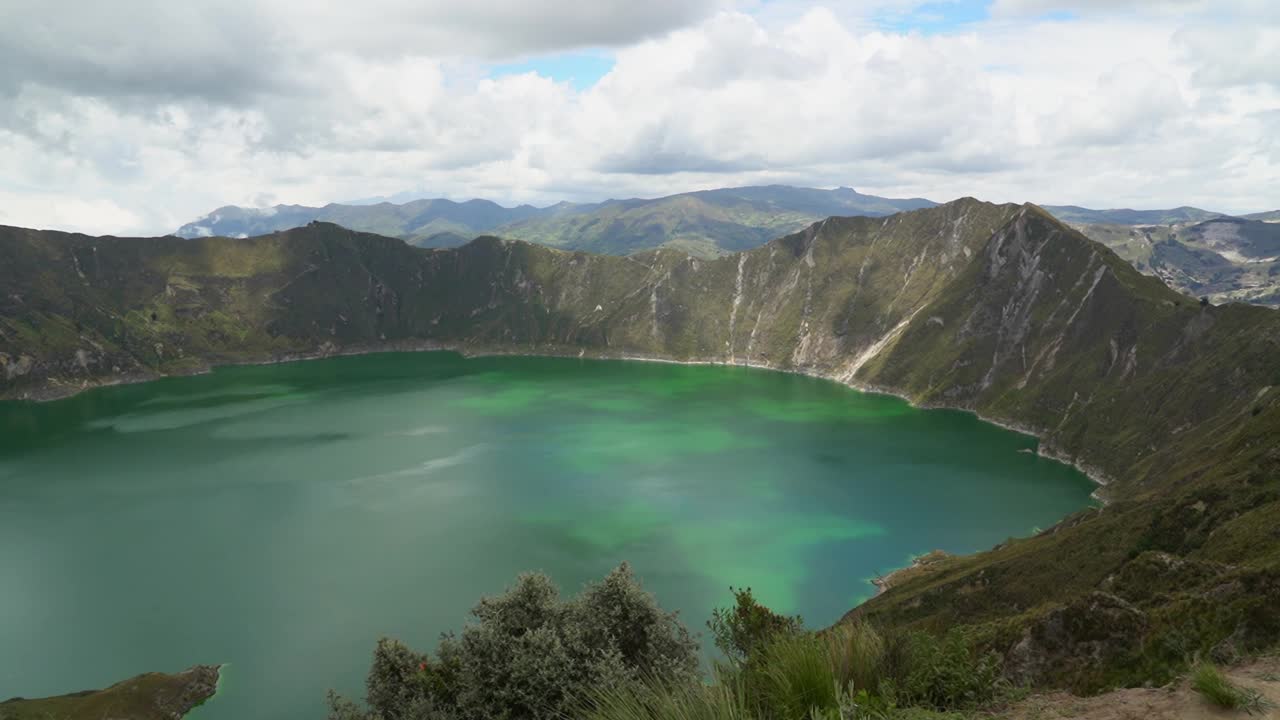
(1129, 216)
(1002, 310)
(709, 223)
(705, 222)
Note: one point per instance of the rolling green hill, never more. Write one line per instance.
(998, 309)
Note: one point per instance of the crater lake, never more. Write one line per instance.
(280, 518)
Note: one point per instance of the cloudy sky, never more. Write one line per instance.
(135, 116)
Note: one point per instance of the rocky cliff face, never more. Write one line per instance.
(996, 308)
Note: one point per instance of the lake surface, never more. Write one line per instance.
(281, 518)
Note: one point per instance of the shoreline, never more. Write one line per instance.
(922, 563)
(56, 391)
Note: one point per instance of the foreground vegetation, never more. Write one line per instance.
(613, 654)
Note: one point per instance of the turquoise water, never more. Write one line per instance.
(281, 518)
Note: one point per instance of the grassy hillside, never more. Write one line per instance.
(153, 696)
(1000, 309)
(1170, 399)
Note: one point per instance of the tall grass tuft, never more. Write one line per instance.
(724, 699)
(796, 677)
(857, 655)
(1217, 689)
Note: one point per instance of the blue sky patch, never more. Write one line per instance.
(936, 17)
(579, 69)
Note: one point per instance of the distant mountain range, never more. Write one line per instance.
(1200, 252)
(1224, 258)
(704, 223)
(1126, 216)
(418, 221)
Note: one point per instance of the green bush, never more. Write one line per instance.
(611, 653)
(944, 673)
(747, 627)
(530, 655)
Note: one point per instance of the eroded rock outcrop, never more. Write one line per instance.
(1093, 633)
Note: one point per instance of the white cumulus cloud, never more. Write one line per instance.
(112, 126)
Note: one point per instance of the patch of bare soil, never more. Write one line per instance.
(1173, 702)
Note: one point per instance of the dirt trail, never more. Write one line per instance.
(1174, 702)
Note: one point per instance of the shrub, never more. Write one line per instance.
(940, 673)
(530, 655)
(747, 627)
(1217, 689)
(611, 653)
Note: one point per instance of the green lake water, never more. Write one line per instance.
(282, 518)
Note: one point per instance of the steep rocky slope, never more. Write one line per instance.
(1171, 400)
(82, 309)
(1000, 309)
